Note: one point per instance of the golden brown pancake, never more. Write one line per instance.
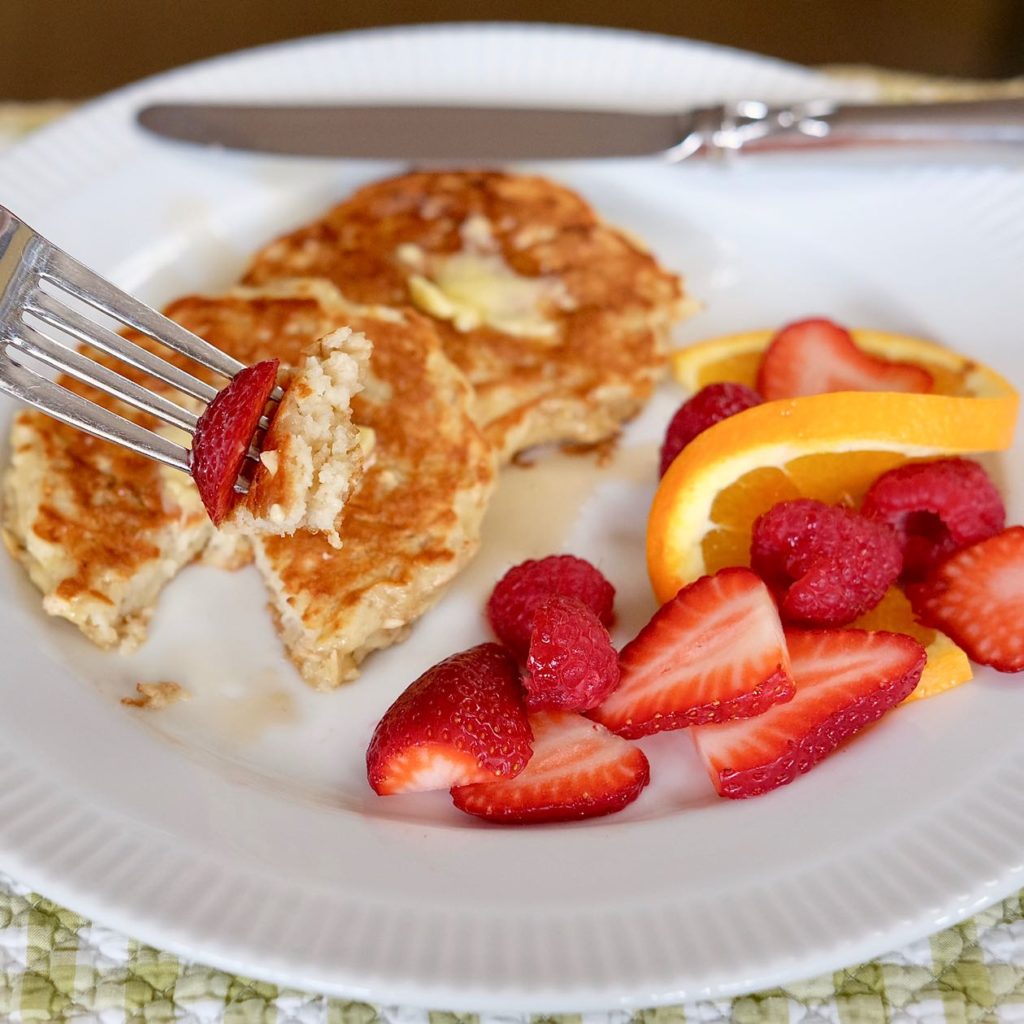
(559, 321)
(414, 520)
(100, 529)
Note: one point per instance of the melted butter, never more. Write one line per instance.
(475, 287)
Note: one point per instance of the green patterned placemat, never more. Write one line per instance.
(57, 966)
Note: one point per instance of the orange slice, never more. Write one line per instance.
(736, 357)
(830, 447)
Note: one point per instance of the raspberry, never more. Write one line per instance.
(706, 408)
(825, 564)
(572, 664)
(935, 508)
(527, 585)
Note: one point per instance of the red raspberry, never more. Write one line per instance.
(826, 564)
(935, 508)
(710, 405)
(527, 585)
(572, 664)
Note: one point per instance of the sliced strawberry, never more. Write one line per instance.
(462, 721)
(716, 651)
(845, 680)
(578, 770)
(224, 433)
(977, 597)
(811, 357)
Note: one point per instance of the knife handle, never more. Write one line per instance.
(755, 126)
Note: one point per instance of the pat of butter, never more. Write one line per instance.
(475, 287)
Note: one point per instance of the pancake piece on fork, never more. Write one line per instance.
(414, 519)
(310, 456)
(559, 321)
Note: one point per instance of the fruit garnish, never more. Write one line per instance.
(825, 564)
(572, 665)
(578, 770)
(827, 447)
(224, 432)
(462, 721)
(716, 651)
(935, 509)
(812, 357)
(737, 357)
(977, 597)
(709, 406)
(845, 680)
(527, 585)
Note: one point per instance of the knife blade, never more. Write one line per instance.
(474, 133)
(416, 133)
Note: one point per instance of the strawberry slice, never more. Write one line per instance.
(977, 597)
(223, 435)
(578, 770)
(462, 721)
(810, 357)
(845, 680)
(716, 651)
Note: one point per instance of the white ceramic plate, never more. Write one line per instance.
(238, 829)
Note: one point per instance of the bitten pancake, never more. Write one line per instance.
(559, 321)
(414, 520)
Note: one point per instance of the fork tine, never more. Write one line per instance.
(50, 398)
(77, 279)
(53, 312)
(88, 371)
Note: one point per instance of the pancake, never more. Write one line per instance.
(100, 530)
(559, 321)
(310, 456)
(414, 519)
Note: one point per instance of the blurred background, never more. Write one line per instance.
(69, 49)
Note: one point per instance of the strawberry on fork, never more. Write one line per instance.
(224, 432)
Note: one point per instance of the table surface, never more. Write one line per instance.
(57, 966)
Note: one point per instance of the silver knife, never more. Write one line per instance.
(501, 133)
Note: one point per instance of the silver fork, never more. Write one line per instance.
(37, 325)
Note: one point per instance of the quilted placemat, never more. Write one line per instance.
(58, 966)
